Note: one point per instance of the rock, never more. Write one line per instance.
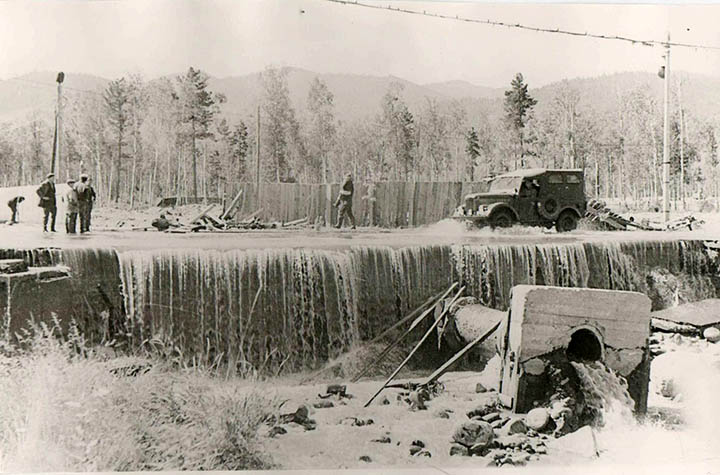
(511, 441)
(277, 430)
(479, 388)
(712, 334)
(668, 388)
(443, 413)
(365, 458)
(382, 440)
(537, 418)
(535, 366)
(323, 404)
(493, 416)
(479, 450)
(417, 399)
(514, 426)
(483, 409)
(473, 433)
(457, 449)
(414, 449)
(418, 443)
(384, 401)
(423, 453)
(498, 423)
(339, 389)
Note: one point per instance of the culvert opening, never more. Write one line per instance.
(584, 346)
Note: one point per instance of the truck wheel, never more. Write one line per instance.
(502, 219)
(566, 222)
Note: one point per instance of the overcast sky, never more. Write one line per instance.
(234, 37)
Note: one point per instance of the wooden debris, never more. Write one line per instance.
(231, 209)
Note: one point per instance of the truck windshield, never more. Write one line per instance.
(506, 184)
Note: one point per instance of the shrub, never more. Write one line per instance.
(65, 408)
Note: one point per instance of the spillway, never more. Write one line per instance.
(283, 309)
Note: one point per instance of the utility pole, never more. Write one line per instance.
(55, 165)
(257, 155)
(666, 134)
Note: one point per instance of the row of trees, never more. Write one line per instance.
(173, 136)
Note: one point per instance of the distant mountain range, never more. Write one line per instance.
(358, 97)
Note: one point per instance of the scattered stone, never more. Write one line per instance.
(474, 433)
(511, 441)
(457, 449)
(354, 421)
(443, 413)
(323, 404)
(277, 430)
(479, 388)
(382, 440)
(384, 401)
(493, 416)
(537, 418)
(417, 399)
(418, 443)
(668, 388)
(483, 409)
(712, 334)
(498, 423)
(340, 389)
(535, 366)
(414, 449)
(514, 426)
(423, 453)
(365, 458)
(301, 416)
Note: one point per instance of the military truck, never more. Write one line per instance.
(534, 197)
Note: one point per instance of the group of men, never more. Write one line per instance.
(80, 198)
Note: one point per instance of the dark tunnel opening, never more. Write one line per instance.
(584, 346)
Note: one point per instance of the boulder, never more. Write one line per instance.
(511, 441)
(457, 449)
(474, 433)
(365, 458)
(712, 334)
(514, 426)
(443, 413)
(486, 408)
(493, 416)
(479, 388)
(537, 419)
(385, 439)
(414, 449)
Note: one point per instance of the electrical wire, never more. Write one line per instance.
(527, 27)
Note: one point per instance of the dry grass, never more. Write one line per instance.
(63, 409)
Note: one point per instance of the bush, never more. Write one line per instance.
(64, 408)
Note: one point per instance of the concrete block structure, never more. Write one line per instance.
(579, 324)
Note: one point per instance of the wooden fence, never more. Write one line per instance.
(395, 204)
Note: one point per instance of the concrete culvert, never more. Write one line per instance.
(584, 346)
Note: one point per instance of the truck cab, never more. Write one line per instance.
(534, 197)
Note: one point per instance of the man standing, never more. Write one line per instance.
(72, 208)
(13, 204)
(344, 202)
(82, 189)
(46, 192)
(91, 202)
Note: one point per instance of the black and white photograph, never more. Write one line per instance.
(372, 236)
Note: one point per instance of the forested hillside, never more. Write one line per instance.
(192, 134)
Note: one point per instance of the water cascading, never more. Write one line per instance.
(292, 309)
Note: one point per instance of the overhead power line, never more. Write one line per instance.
(557, 31)
(44, 84)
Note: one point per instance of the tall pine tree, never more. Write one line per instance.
(518, 106)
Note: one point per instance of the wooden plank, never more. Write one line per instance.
(233, 204)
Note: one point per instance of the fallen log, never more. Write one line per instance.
(201, 215)
(231, 209)
(296, 222)
(251, 216)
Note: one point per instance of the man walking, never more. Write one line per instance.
(13, 204)
(71, 213)
(46, 192)
(82, 190)
(344, 202)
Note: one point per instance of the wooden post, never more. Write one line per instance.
(666, 134)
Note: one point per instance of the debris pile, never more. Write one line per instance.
(599, 213)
